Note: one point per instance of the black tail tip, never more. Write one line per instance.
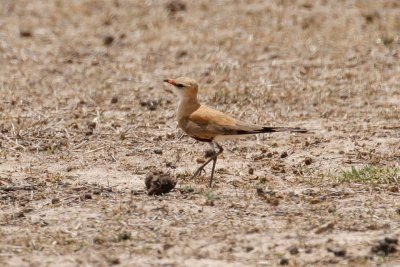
(298, 130)
(283, 129)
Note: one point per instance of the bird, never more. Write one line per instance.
(206, 124)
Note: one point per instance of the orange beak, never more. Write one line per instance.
(170, 81)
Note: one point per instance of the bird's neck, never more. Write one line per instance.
(187, 105)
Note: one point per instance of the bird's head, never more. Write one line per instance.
(185, 86)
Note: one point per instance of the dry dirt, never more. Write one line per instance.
(84, 116)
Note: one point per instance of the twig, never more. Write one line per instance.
(12, 141)
(79, 145)
(94, 150)
(16, 188)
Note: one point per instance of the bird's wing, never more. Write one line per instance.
(208, 123)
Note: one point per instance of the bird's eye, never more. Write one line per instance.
(179, 85)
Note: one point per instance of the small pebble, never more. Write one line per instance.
(398, 211)
(200, 160)
(393, 188)
(293, 250)
(308, 250)
(108, 40)
(98, 240)
(152, 105)
(249, 248)
(124, 236)
(284, 261)
(97, 192)
(20, 214)
(55, 201)
(260, 191)
(337, 251)
(391, 240)
(251, 171)
(25, 33)
(308, 161)
(157, 151)
(114, 261)
(170, 165)
(181, 53)
(167, 246)
(114, 99)
(91, 125)
(175, 6)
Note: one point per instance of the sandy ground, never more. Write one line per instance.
(84, 116)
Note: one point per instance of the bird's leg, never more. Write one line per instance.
(201, 168)
(212, 171)
(215, 162)
(210, 153)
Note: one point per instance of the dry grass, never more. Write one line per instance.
(83, 110)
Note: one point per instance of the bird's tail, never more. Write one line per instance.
(282, 129)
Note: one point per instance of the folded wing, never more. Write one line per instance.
(207, 123)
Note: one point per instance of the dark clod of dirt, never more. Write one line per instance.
(19, 214)
(114, 99)
(284, 261)
(337, 251)
(98, 240)
(91, 125)
(114, 261)
(97, 192)
(293, 250)
(249, 248)
(260, 191)
(123, 236)
(393, 188)
(108, 40)
(55, 201)
(284, 154)
(157, 151)
(170, 165)
(308, 161)
(308, 250)
(158, 183)
(371, 16)
(167, 246)
(150, 104)
(398, 211)
(181, 53)
(25, 33)
(87, 196)
(175, 6)
(385, 246)
(392, 240)
(251, 171)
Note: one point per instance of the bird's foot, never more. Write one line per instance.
(197, 172)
